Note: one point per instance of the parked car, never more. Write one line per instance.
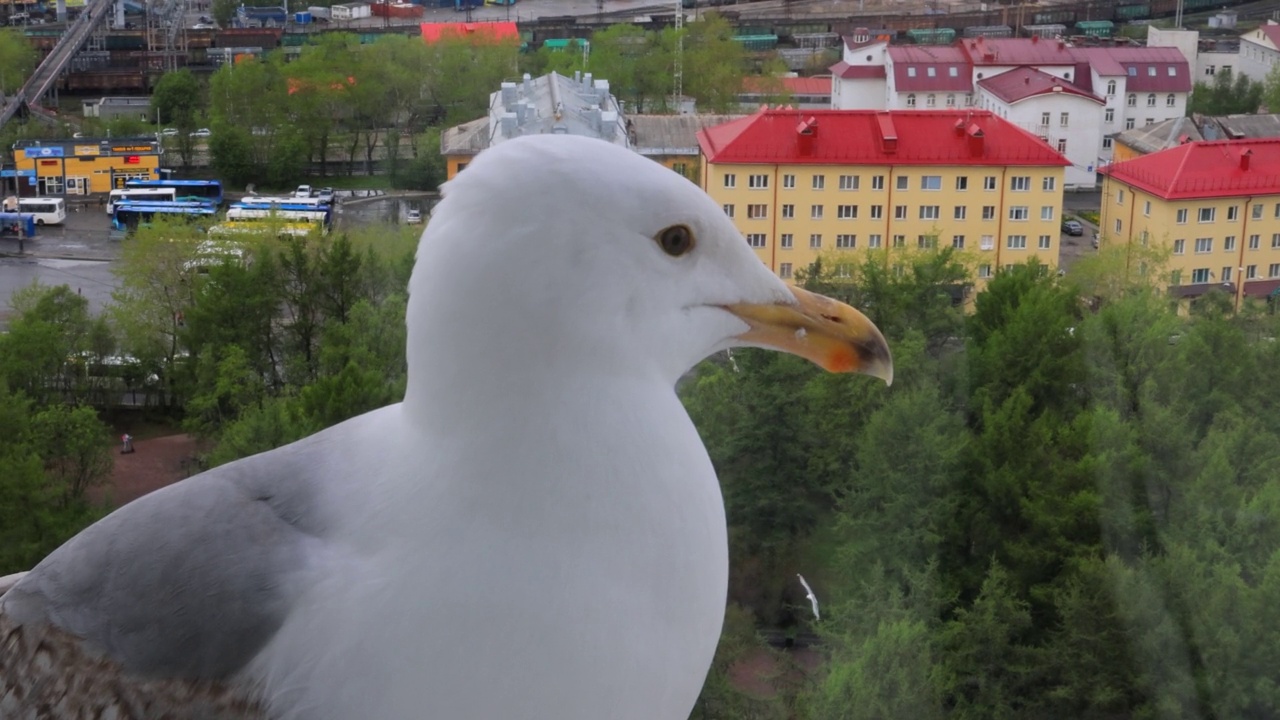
(201, 133)
(169, 132)
(1073, 227)
(303, 191)
(325, 194)
(413, 216)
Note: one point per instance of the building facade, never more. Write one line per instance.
(83, 166)
(1214, 205)
(1133, 86)
(1260, 51)
(843, 185)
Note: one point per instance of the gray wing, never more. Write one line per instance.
(189, 581)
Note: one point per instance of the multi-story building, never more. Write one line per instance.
(1214, 205)
(1260, 51)
(1104, 90)
(83, 166)
(801, 185)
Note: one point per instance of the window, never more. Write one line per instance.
(819, 182)
(1175, 277)
(789, 182)
(899, 212)
(788, 212)
(877, 212)
(787, 241)
(1275, 241)
(930, 100)
(844, 270)
(953, 72)
(1119, 197)
(1146, 208)
(758, 182)
(847, 212)
(1179, 246)
(899, 241)
(951, 98)
(1049, 183)
(877, 182)
(960, 212)
(1063, 119)
(1128, 123)
(929, 212)
(911, 71)
(1017, 242)
(874, 241)
(728, 210)
(1149, 121)
(1200, 275)
(1111, 87)
(1256, 213)
(1132, 100)
(1062, 145)
(1229, 243)
(988, 242)
(1045, 242)
(932, 71)
(911, 100)
(849, 182)
(903, 182)
(1118, 226)
(1170, 100)
(1018, 212)
(758, 211)
(681, 168)
(1173, 71)
(957, 242)
(1204, 245)
(1233, 213)
(962, 183)
(1044, 118)
(847, 242)
(815, 212)
(1251, 272)
(1255, 241)
(1046, 212)
(1151, 71)
(1226, 274)
(784, 271)
(1207, 215)
(931, 182)
(1106, 143)
(1109, 115)
(984, 271)
(1278, 210)
(1182, 216)
(926, 242)
(1273, 270)
(730, 181)
(989, 182)
(755, 240)
(1020, 183)
(988, 212)
(815, 241)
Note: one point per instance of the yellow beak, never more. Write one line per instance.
(827, 332)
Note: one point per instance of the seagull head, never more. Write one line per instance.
(550, 246)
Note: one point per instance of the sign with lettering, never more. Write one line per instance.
(132, 149)
(44, 152)
(86, 150)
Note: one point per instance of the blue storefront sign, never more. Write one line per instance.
(43, 152)
(18, 173)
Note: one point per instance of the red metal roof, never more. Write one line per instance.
(1025, 82)
(869, 137)
(1016, 51)
(1272, 31)
(845, 71)
(1147, 68)
(1223, 168)
(922, 68)
(489, 31)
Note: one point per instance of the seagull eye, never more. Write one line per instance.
(676, 240)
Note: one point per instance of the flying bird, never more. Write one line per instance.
(813, 599)
(536, 531)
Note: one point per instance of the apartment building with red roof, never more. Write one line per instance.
(835, 184)
(1214, 205)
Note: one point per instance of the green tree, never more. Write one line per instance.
(716, 61)
(76, 448)
(1228, 94)
(18, 60)
(178, 100)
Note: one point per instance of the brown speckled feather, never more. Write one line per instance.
(45, 674)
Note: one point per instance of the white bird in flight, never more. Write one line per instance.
(535, 532)
(813, 599)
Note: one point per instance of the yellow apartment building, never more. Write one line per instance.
(83, 166)
(1214, 205)
(806, 184)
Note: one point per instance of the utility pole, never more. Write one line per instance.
(678, 70)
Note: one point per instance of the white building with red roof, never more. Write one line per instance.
(1136, 86)
(1260, 51)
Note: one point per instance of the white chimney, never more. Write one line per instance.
(509, 124)
(508, 94)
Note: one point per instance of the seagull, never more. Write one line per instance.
(808, 593)
(535, 531)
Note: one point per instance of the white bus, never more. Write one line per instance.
(143, 194)
(47, 211)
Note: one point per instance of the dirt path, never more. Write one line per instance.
(155, 462)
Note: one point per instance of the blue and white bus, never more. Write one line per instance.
(209, 191)
(129, 214)
(280, 210)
